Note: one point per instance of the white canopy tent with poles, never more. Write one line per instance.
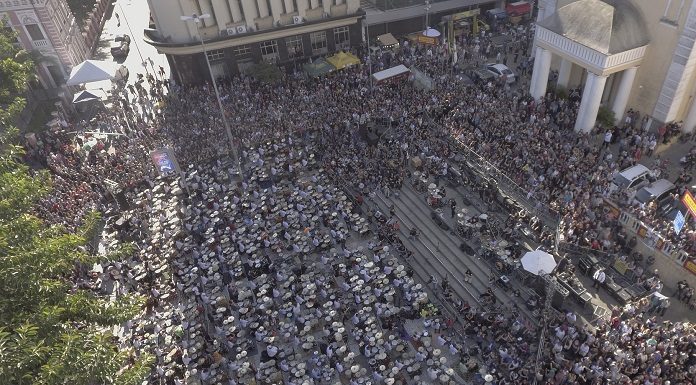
(93, 71)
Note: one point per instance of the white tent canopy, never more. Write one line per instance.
(92, 71)
(538, 262)
(391, 72)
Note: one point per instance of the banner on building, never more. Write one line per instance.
(689, 202)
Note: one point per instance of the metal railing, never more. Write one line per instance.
(572, 248)
(479, 165)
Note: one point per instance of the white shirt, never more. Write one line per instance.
(599, 275)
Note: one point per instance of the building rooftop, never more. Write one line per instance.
(607, 26)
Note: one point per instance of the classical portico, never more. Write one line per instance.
(605, 38)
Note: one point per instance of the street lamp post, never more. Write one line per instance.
(427, 14)
(233, 147)
(369, 53)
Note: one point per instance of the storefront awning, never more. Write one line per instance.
(387, 40)
(342, 60)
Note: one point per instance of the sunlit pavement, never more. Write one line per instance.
(133, 18)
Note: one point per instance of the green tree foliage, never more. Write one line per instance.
(16, 70)
(80, 8)
(51, 332)
(265, 73)
(605, 117)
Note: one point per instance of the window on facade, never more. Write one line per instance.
(269, 50)
(673, 10)
(242, 50)
(318, 40)
(294, 45)
(342, 37)
(216, 54)
(34, 32)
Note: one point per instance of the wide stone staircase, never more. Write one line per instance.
(437, 251)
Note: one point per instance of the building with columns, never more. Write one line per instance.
(623, 53)
(49, 30)
(405, 16)
(240, 33)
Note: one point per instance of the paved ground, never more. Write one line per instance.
(133, 18)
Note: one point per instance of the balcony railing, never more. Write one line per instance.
(40, 43)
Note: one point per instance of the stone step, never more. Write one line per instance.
(411, 209)
(455, 261)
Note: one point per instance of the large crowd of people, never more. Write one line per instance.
(276, 275)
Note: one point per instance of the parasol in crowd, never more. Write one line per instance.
(538, 262)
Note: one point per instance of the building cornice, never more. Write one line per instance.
(594, 61)
(189, 48)
(18, 5)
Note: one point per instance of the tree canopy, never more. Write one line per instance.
(51, 331)
(80, 8)
(16, 70)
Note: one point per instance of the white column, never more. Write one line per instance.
(546, 9)
(206, 7)
(540, 74)
(250, 15)
(237, 15)
(586, 91)
(276, 9)
(302, 6)
(289, 8)
(623, 92)
(187, 9)
(591, 99)
(690, 120)
(222, 13)
(263, 8)
(327, 5)
(564, 73)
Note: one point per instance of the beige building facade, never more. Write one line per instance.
(49, 30)
(240, 33)
(623, 53)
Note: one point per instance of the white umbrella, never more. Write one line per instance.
(538, 262)
(92, 71)
(431, 32)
